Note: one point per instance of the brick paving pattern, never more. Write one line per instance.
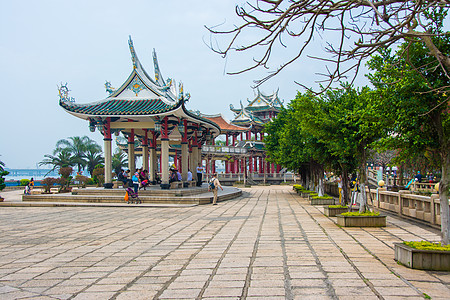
(267, 244)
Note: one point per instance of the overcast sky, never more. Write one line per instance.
(84, 43)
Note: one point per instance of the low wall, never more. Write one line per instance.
(404, 203)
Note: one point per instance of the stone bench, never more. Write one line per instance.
(176, 185)
(189, 184)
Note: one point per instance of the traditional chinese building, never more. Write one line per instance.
(152, 113)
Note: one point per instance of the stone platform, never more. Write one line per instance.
(151, 196)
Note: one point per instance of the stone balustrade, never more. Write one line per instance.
(404, 203)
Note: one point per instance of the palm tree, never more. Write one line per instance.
(119, 160)
(78, 147)
(93, 157)
(62, 159)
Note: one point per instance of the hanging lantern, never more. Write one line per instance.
(157, 126)
(181, 127)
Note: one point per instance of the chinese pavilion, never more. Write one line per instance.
(152, 113)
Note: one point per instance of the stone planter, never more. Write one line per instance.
(433, 260)
(329, 201)
(334, 211)
(361, 221)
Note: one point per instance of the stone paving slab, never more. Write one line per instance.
(267, 244)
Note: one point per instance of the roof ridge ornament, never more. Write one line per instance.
(133, 53)
(63, 91)
(158, 76)
(109, 88)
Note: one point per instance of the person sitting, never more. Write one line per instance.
(179, 178)
(173, 176)
(189, 175)
(122, 176)
(157, 179)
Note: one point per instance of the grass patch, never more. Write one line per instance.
(358, 214)
(337, 206)
(322, 197)
(424, 245)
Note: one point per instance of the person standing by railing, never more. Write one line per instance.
(200, 170)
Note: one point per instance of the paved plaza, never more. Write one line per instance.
(267, 244)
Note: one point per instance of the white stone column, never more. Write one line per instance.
(164, 161)
(108, 160)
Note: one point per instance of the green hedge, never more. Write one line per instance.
(424, 245)
(364, 214)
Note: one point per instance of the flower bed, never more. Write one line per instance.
(422, 259)
(356, 219)
(333, 210)
(323, 200)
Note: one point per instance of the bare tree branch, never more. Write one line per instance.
(372, 25)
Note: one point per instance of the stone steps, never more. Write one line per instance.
(117, 196)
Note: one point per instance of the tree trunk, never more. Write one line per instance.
(345, 185)
(444, 185)
(363, 181)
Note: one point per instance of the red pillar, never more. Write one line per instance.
(234, 140)
(226, 139)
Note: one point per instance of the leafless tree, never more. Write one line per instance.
(362, 27)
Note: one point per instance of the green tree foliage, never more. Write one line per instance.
(2, 174)
(79, 148)
(93, 157)
(415, 106)
(119, 160)
(60, 160)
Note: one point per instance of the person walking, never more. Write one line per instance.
(199, 174)
(214, 185)
(339, 182)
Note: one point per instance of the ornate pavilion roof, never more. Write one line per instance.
(261, 102)
(246, 118)
(224, 124)
(139, 98)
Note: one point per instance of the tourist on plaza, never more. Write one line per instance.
(122, 176)
(135, 181)
(189, 175)
(199, 174)
(157, 179)
(418, 177)
(214, 185)
(31, 184)
(179, 176)
(27, 190)
(339, 182)
(173, 176)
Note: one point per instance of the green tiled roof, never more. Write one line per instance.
(120, 107)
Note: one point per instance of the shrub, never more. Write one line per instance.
(98, 175)
(82, 180)
(322, 197)
(424, 245)
(2, 180)
(48, 183)
(358, 214)
(337, 206)
(24, 182)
